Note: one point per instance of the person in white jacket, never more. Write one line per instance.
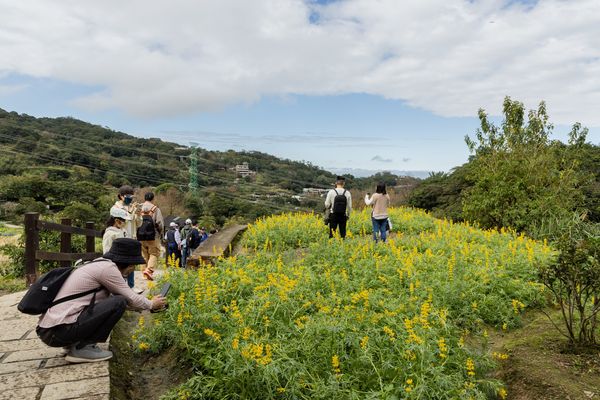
(133, 218)
(114, 228)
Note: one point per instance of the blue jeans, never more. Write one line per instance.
(184, 255)
(379, 225)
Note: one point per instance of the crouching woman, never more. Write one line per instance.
(81, 323)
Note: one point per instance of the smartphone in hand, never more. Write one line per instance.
(165, 289)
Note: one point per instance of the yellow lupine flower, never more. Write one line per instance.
(335, 363)
(388, 331)
(212, 334)
(470, 367)
(364, 342)
(502, 393)
(442, 347)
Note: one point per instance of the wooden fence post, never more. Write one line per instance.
(65, 241)
(32, 242)
(90, 241)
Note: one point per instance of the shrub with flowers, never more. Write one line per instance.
(348, 319)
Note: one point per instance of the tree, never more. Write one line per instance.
(520, 181)
(171, 201)
(80, 213)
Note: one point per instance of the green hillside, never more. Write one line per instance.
(71, 167)
(50, 164)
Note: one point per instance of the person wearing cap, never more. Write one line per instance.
(203, 234)
(125, 201)
(81, 323)
(185, 238)
(338, 218)
(115, 228)
(194, 239)
(133, 220)
(173, 239)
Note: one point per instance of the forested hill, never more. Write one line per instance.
(67, 167)
(116, 157)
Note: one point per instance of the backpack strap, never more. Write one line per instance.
(75, 296)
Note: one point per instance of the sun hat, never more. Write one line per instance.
(173, 224)
(125, 251)
(188, 221)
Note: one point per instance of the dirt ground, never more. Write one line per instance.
(541, 365)
(141, 376)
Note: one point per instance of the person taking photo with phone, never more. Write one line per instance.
(133, 218)
(79, 324)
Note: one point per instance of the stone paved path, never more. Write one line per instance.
(30, 370)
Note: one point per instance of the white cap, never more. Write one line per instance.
(188, 221)
(118, 213)
(173, 224)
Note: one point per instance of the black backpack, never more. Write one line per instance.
(147, 231)
(194, 239)
(339, 203)
(41, 294)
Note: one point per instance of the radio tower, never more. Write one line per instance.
(194, 167)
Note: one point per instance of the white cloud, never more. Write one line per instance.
(378, 158)
(6, 90)
(446, 56)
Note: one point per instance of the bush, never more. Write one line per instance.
(574, 279)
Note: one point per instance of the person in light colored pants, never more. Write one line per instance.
(151, 252)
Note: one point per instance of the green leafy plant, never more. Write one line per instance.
(300, 316)
(574, 280)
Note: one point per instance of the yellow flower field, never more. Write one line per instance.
(301, 316)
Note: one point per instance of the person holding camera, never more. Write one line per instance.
(79, 324)
(133, 218)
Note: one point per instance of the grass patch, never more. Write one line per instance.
(11, 285)
(542, 365)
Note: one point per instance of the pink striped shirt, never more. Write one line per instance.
(90, 276)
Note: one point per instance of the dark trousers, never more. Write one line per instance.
(173, 248)
(337, 221)
(93, 325)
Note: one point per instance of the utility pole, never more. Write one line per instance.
(194, 167)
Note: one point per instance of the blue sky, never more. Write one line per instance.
(343, 84)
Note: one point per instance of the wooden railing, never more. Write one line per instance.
(33, 255)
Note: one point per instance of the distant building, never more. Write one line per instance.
(243, 170)
(314, 191)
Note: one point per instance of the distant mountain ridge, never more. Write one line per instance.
(365, 173)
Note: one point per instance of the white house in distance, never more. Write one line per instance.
(315, 191)
(243, 170)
